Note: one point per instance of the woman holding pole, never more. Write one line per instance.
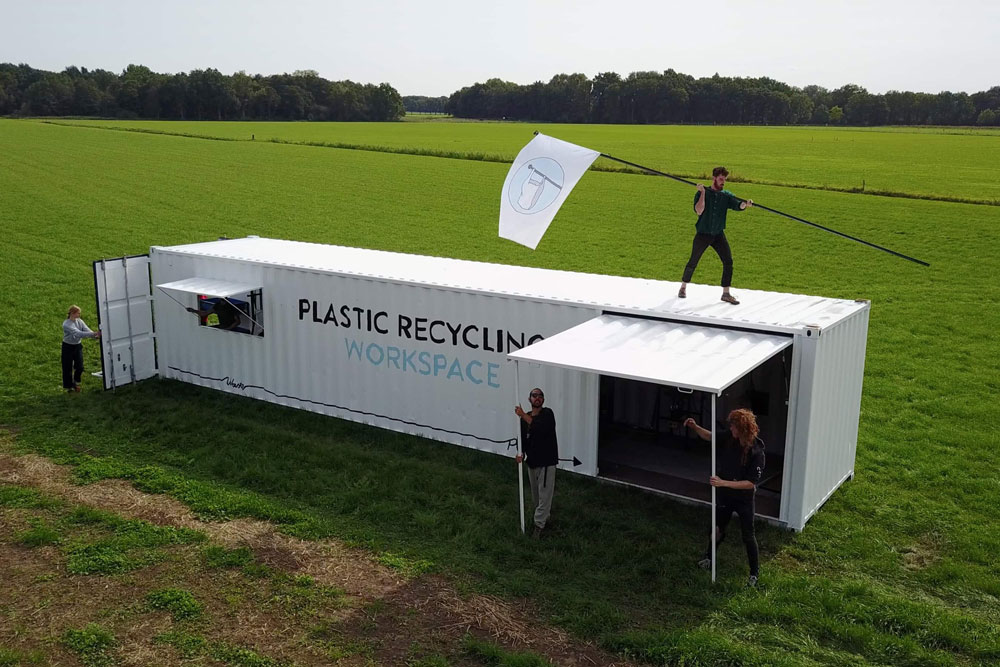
(741, 466)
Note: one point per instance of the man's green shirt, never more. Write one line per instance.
(713, 218)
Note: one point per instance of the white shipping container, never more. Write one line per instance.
(423, 345)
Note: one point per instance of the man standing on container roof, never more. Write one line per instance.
(541, 453)
(711, 206)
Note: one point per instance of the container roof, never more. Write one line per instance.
(760, 310)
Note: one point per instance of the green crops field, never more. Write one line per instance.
(899, 568)
(919, 162)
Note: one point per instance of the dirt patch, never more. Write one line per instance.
(386, 614)
(39, 603)
(923, 554)
(39, 606)
(7, 467)
(442, 610)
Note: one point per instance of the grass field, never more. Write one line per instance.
(899, 568)
(921, 162)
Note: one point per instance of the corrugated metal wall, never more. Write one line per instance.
(825, 458)
(458, 392)
(368, 365)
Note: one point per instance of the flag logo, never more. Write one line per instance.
(542, 176)
(536, 186)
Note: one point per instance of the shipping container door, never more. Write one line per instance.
(125, 316)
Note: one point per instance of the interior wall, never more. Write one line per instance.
(765, 392)
(659, 409)
(643, 440)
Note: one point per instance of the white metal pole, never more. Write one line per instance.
(713, 488)
(520, 448)
(128, 318)
(106, 329)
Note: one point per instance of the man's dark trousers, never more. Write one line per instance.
(721, 246)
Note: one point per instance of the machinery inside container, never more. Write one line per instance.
(643, 440)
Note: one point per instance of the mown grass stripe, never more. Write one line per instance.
(506, 159)
(918, 523)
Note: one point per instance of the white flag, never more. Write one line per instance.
(542, 176)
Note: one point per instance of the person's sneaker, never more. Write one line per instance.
(752, 582)
(537, 534)
(705, 563)
(729, 298)
(682, 292)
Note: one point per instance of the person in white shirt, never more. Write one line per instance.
(74, 331)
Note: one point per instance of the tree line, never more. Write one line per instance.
(206, 94)
(639, 98)
(424, 104)
(671, 97)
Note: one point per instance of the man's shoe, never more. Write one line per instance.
(752, 582)
(537, 534)
(729, 298)
(682, 292)
(705, 563)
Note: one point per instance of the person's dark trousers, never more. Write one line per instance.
(72, 365)
(698, 247)
(744, 508)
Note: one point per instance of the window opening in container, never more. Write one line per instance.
(241, 313)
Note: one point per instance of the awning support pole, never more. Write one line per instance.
(171, 297)
(226, 299)
(520, 448)
(713, 488)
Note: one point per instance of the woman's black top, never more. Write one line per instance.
(731, 466)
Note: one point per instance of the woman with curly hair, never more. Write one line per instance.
(740, 468)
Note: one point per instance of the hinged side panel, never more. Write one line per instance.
(125, 316)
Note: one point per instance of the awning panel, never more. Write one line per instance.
(209, 287)
(681, 355)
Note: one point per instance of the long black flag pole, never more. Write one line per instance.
(767, 208)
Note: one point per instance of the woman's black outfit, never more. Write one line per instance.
(733, 467)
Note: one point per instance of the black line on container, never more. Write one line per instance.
(508, 441)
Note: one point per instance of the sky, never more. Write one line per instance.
(435, 47)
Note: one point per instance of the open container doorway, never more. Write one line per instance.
(651, 359)
(642, 440)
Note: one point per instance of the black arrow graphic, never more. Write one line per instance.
(575, 461)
